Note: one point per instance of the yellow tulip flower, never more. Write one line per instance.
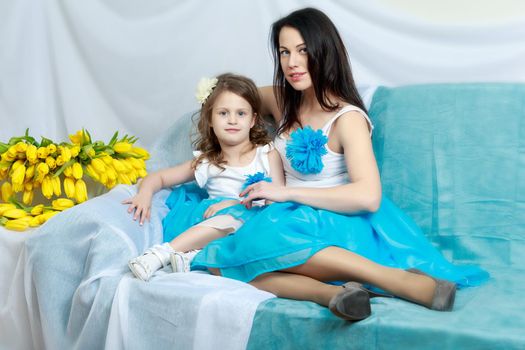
(17, 225)
(12, 152)
(75, 150)
(52, 148)
(77, 171)
(27, 197)
(124, 179)
(47, 187)
(37, 209)
(5, 207)
(68, 171)
(21, 147)
(80, 191)
(122, 147)
(6, 157)
(34, 222)
(65, 152)
(31, 154)
(17, 177)
(7, 191)
(118, 165)
(30, 172)
(42, 169)
(91, 172)
(111, 173)
(57, 188)
(14, 213)
(69, 187)
(42, 152)
(51, 162)
(140, 152)
(62, 204)
(98, 165)
(60, 160)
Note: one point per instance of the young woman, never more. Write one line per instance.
(233, 152)
(332, 223)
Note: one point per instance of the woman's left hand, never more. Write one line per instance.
(263, 190)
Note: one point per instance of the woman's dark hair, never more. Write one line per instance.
(206, 141)
(328, 65)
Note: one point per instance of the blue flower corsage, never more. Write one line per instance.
(253, 179)
(305, 149)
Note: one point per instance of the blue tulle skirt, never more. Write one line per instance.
(187, 204)
(283, 235)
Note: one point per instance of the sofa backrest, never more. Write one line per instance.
(453, 157)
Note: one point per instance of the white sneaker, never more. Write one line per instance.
(180, 262)
(153, 259)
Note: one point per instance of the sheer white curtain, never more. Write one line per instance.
(132, 66)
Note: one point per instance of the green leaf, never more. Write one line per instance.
(63, 167)
(3, 147)
(17, 204)
(126, 155)
(113, 139)
(88, 134)
(45, 142)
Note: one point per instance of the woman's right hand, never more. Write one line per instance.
(140, 204)
(264, 190)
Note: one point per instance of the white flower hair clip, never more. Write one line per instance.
(205, 88)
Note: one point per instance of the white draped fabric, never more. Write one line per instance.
(133, 66)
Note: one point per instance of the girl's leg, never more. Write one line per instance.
(196, 237)
(337, 264)
(160, 255)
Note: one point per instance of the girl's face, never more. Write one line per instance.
(232, 118)
(294, 59)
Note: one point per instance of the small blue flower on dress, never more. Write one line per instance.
(253, 179)
(305, 149)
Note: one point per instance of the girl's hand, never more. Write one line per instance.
(215, 208)
(263, 190)
(141, 204)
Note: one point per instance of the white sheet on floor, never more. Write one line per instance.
(72, 289)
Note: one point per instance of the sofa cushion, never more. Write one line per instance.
(453, 157)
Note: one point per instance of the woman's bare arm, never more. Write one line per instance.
(269, 103)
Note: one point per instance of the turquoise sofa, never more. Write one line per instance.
(453, 157)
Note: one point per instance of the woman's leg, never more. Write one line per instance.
(351, 304)
(293, 286)
(298, 287)
(337, 264)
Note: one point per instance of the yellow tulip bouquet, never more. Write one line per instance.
(60, 169)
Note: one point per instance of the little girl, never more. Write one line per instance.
(233, 151)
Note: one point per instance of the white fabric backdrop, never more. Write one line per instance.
(132, 65)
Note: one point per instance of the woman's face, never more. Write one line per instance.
(294, 59)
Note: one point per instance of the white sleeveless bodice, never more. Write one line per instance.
(228, 183)
(334, 171)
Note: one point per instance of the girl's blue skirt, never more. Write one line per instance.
(283, 235)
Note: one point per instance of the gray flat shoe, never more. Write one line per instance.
(352, 303)
(444, 294)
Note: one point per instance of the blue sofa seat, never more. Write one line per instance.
(453, 157)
